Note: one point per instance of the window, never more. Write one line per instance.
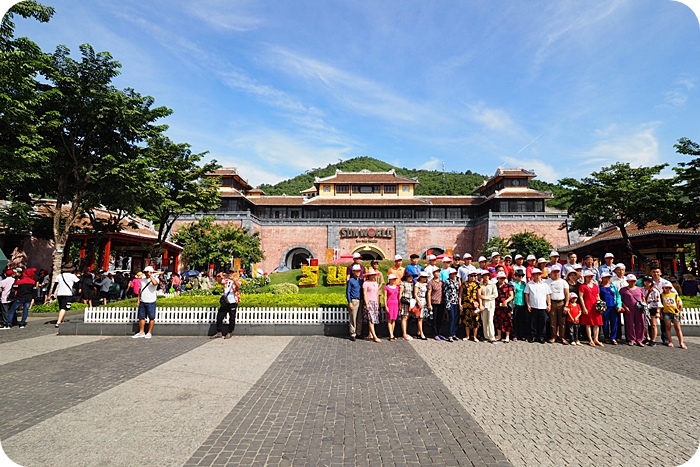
(389, 188)
(326, 213)
(327, 188)
(454, 213)
(437, 213)
(366, 189)
(407, 213)
(391, 214)
(342, 189)
(405, 188)
(277, 214)
(295, 214)
(503, 206)
(422, 214)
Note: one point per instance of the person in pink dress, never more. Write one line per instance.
(634, 313)
(589, 293)
(391, 299)
(370, 293)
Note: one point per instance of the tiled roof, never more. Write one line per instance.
(228, 192)
(277, 200)
(613, 233)
(510, 173)
(224, 171)
(519, 193)
(366, 177)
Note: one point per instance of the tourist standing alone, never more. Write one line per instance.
(63, 290)
(228, 304)
(146, 302)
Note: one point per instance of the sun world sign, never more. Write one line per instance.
(367, 233)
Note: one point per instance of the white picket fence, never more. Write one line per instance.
(201, 315)
(272, 315)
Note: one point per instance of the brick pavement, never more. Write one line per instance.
(327, 401)
(682, 362)
(562, 405)
(70, 376)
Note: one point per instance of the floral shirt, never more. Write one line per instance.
(504, 292)
(451, 290)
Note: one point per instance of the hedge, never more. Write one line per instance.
(252, 300)
(53, 307)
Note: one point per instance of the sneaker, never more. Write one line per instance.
(21, 326)
(138, 335)
(437, 338)
(148, 335)
(4, 327)
(651, 344)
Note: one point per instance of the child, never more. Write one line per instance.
(673, 306)
(573, 315)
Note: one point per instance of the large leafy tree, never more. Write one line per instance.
(174, 184)
(497, 244)
(529, 243)
(206, 242)
(620, 194)
(688, 183)
(21, 62)
(90, 127)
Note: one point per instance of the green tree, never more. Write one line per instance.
(206, 242)
(688, 183)
(21, 62)
(620, 194)
(529, 243)
(498, 244)
(175, 184)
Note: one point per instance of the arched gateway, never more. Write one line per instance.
(370, 252)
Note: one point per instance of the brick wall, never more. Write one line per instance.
(277, 240)
(549, 230)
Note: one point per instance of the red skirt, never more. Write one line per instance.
(593, 318)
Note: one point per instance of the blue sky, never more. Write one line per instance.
(277, 88)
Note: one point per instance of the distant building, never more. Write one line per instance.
(379, 215)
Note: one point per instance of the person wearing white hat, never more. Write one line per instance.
(495, 262)
(451, 303)
(465, 269)
(619, 278)
(470, 303)
(446, 266)
(589, 294)
(573, 318)
(146, 303)
(672, 312)
(435, 302)
(531, 264)
(634, 304)
(569, 265)
(420, 293)
(560, 301)
(391, 301)
(431, 266)
(353, 295)
(657, 281)
(538, 299)
(370, 297)
(356, 260)
(611, 318)
(397, 269)
(508, 266)
(488, 294)
(519, 259)
(521, 317)
(608, 265)
(553, 259)
(503, 319)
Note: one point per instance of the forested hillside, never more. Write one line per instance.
(431, 182)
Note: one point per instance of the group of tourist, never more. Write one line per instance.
(505, 299)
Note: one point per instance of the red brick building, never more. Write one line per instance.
(378, 215)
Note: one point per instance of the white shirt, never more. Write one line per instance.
(537, 294)
(464, 271)
(65, 281)
(430, 268)
(230, 291)
(147, 291)
(558, 287)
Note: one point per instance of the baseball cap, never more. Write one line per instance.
(397, 258)
(588, 273)
(554, 253)
(357, 267)
(485, 271)
(666, 283)
(508, 256)
(573, 295)
(481, 258)
(467, 255)
(495, 253)
(457, 257)
(578, 266)
(356, 255)
(536, 271)
(631, 277)
(518, 256)
(605, 274)
(424, 274)
(541, 260)
(431, 257)
(452, 271)
(555, 267)
(414, 256)
(446, 259)
(501, 274)
(609, 255)
(148, 269)
(529, 257)
(391, 276)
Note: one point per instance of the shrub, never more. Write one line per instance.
(336, 275)
(196, 293)
(309, 276)
(254, 300)
(217, 289)
(284, 289)
(53, 307)
(253, 285)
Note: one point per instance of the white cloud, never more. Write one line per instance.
(637, 146)
(543, 170)
(225, 14)
(678, 95)
(492, 118)
(432, 164)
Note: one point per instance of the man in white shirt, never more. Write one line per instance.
(432, 266)
(5, 303)
(466, 268)
(146, 302)
(63, 290)
(519, 266)
(537, 299)
(559, 299)
(568, 267)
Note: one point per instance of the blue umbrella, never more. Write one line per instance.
(190, 272)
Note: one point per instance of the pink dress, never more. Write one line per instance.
(392, 302)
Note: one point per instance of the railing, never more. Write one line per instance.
(202, 315)
(262, 315)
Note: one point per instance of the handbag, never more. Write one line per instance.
(600, 306)
(643, 307)
(415, 311)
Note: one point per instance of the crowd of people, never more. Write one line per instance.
(520, 298)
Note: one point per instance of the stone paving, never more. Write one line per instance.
(254, 400)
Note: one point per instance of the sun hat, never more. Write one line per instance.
(431, 257)
(541, 260)
(605, 274)
(398, 258)
(531, 257)
(631, 277)
(494, 254)
(588, 273)
(519, 272)
(501, 274)
(518, 256)
(481, 258)
(536, 271)
(148, 269)
(391, 276)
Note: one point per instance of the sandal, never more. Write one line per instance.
(599, 344)
(592, 344)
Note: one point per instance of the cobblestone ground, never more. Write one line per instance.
(563, 405)
(95, 401)
(327, 401)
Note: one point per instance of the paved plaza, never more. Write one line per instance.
(256, 400)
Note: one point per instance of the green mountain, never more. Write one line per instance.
(431, 182)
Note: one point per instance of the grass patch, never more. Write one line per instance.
(53, 307)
